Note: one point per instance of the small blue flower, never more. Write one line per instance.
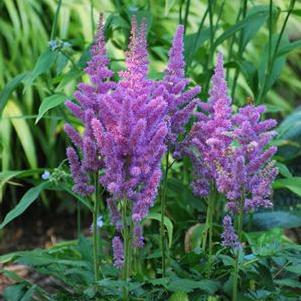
(100, 223)
(53, 44)
(46, 175)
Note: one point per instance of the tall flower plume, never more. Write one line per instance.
(181, 102)
(88, 95)
(209, 136)
(131, 130)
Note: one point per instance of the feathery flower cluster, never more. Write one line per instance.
(126, 127)
(230, 151)
(88, 97)
(209, 136)
(229, 237)
(118, 253)
(181, 103)
(247, 170)
(130, 132)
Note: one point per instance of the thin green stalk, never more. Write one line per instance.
(236, 260)
(54, 25)
(240, 50)
(270, 32)
(233, 40)
(78, 219)
(211, 43)
(208, 230)
(163, 207)
(186, 15)
(127, 238)
(275, 52)
(96, 200)
(189, 60)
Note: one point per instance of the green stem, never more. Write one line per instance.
(236, 261)
(163, 207)
(54, 25)
(78, 219)
(208, 231)
(97, 267)
(273, 54)
(127, 238)
(240, 50)
(186, 15)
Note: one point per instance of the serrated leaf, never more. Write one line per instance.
(28, 198)
(50, 103)
(296, 269)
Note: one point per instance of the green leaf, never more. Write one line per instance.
(289, 47)
(296, 269)
(293, 184)
(288, 282)
(43, 64)
(16, 117)
(9, 88)
(251, 28)
(248, 22)
(167, 222)
(14, 292)
(28, 198)
(276, 219)
(179, 296)
(29, 294)
(188, 285)
(50, 103)
(168, 6)
(283, 170)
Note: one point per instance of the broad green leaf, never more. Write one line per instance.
(288, 282)
(28, 296)
(289, 47)
(188, 285)
(247, 22)
(293, 184)
(14, 292)
(50, 103)
(28, 198)
(276, 219)
(9, 88)
(15, 114)
(179, 296)
(251, 28)
(167, 223)
(296, 269)
(283, 170)
(43, 64)
(194, 41)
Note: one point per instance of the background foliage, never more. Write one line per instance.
(44, 47)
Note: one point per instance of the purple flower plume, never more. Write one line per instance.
(118, 253)
(131, 131)
(229, 237)
(181, 102)
(209, 137)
